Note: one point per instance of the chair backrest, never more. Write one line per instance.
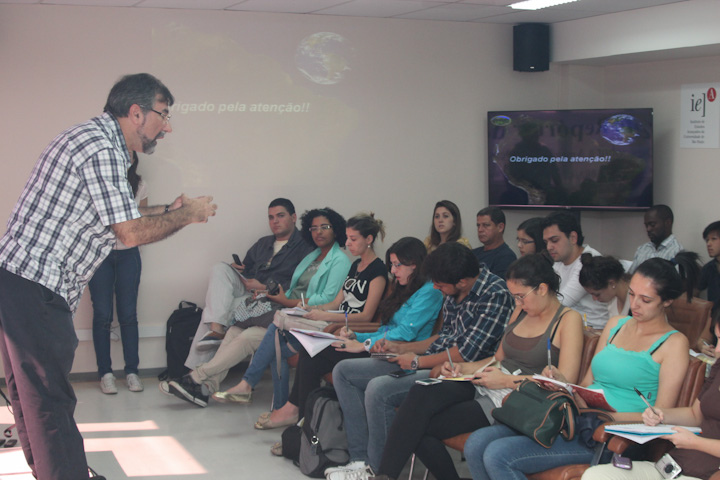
(690, 318)
(590, 340)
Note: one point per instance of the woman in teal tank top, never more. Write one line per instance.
(641, 351)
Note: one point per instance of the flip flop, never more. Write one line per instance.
(264, 423)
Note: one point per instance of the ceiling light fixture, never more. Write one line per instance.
(538, 4)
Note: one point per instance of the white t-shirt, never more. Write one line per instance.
(573, 295)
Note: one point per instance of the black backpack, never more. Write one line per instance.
(179, 334)
(323, 442)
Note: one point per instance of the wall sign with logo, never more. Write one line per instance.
(700, 114)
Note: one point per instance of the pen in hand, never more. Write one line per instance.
(549, 357)
(646, 402)
(452, 365)
(302, 299)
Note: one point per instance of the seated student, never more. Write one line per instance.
(697, 455)
(663, 244)
(407, 313)
(563, 237)
(640, 351)
(446, 226)
(476, 309)
(710, 276)
(494, 253)
(318, 277)
(359, 298)
(432, 413)
(604, 278)
(530, 236)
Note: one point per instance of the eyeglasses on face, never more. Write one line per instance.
(166, 117)
(524, 241)
(324, 226)
(521, 298)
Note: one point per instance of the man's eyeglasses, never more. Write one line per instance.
(324, 226)
(166, 117)
(521, 298)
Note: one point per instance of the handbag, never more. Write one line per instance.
(539, 412)
(250, 308)
(284, 323)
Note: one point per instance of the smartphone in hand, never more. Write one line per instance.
(236, 259)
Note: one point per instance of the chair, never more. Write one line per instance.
(691, 318)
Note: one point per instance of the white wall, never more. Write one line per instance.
(403, 129)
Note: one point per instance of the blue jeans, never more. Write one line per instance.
(499, 453)
(265, 357)
(368, 398)
(118, 275)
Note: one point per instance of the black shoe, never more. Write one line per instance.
(189, 391)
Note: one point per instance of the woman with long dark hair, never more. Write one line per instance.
(641, 351)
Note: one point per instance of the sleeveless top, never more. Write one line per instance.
(356, 286)
(617, 371)
(530, 354)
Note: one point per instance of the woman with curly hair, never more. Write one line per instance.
(316, 279)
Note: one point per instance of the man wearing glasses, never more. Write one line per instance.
(271, 261)
(75, 205)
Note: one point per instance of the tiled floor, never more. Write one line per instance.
(148, 435)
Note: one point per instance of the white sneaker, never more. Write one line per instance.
(134, 383)
(351, 471)
(107, 384)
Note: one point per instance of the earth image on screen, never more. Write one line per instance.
(324, 57)
(621, 129)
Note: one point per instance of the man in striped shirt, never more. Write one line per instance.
(75, 205)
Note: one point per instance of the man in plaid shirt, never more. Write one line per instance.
(75, 205)
(476, 310)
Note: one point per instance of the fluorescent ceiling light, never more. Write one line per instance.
(538, 4)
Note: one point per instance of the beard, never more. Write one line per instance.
(148, 144)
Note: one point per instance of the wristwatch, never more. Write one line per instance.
(367, 344)
(415, 363)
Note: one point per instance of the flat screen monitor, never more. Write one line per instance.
(581, 159)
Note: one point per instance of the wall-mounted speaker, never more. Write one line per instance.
(531, 47)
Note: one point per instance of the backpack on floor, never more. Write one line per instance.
(179, 334)
(323, 442)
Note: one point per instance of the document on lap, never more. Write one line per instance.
(313, 341)
(641, 433)
(595, 398)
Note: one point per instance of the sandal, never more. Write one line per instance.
(276, 449)
(265, 423)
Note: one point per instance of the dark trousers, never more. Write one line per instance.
(37, 342)
(310, 371)
(428, 415)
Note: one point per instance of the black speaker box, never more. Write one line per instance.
(531, 47)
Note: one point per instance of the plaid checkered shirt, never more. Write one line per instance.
(477, 323)
(59, 231)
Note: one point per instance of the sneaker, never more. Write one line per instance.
(210, 341)
(189, 391)
(134, 383)
(107, 384)
(351, 471)
(164, 387)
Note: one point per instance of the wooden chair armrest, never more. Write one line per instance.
(656, 448)
(358, 327)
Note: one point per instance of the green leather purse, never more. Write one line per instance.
(539, 412)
